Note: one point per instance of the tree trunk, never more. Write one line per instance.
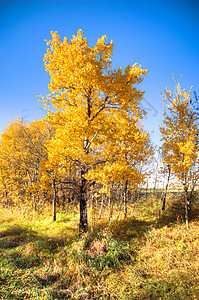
(110, 208)
(155, 183)
(186, 205)
(101, 206)
(34, 203)
(111, 203)
(190, 197)
(125, 199)
(165, 194)
(54, 201)
(146, 193)
(93, 206)
(83, 224)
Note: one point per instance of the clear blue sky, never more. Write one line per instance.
(162, 36)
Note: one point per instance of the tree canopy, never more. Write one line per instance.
(96, 112)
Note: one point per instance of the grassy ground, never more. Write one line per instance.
(149, 256)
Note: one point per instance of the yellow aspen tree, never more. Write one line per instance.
(5, 182)
(36, 134)
(179, 137)
(21, 150)
(11, 161)
(96, 112)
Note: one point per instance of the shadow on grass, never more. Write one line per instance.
(15, 235)
(25, 248)
(131, 228)
(175, 213)
(19, 261)
(22, 234)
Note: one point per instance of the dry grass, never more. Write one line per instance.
(148, 256)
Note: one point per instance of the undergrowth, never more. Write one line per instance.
(150, 255)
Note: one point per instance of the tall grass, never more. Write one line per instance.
(148, 256)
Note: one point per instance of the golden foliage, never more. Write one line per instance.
(95, 111)
(179, 133)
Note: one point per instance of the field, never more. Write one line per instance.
(148, 256)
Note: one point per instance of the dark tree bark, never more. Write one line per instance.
(83, 224)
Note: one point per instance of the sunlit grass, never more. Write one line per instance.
(148, 256)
